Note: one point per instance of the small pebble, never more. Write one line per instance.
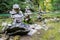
(38, 33)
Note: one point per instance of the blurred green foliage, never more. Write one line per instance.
(6, 5)
(56, 4)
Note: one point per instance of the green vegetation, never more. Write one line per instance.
(52, 34)
(52, 15)
(44, 5)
